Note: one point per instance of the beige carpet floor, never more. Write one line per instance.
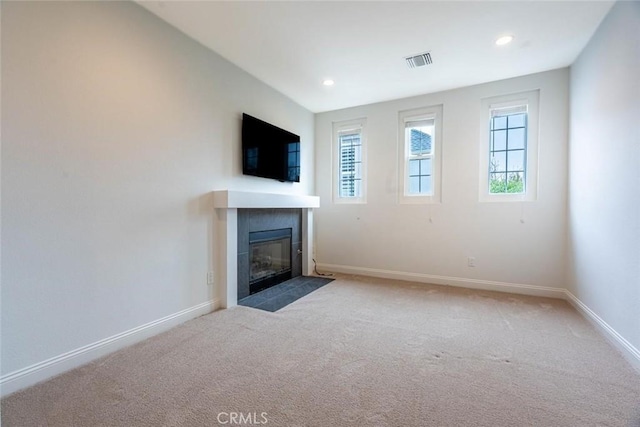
(357, 352)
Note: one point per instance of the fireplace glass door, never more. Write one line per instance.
(269, 258)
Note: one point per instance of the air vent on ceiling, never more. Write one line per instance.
(419, 60)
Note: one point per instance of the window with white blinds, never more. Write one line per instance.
(350, 142)
(350, 161)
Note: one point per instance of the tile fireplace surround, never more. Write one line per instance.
(227, 203)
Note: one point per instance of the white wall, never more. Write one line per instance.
(604, 178)
(385, 235)
(115, 129)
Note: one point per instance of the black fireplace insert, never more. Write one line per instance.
(269, 258)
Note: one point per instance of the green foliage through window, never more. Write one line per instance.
(508, 150)
(513, 184)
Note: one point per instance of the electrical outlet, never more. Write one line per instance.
(210, 278)
(471, 261)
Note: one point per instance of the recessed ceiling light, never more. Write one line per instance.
(328, 82)
(504, 40)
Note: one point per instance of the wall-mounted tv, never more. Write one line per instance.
(268, 151)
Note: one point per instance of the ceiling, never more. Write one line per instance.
(293, 46)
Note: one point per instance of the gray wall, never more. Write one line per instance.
(513, 242)
(115, 129)
(604, 179)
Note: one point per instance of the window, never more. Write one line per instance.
(349, 161)
(509, 148)
(420, 155)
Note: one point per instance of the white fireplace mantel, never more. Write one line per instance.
(227, 199)
(227, 202)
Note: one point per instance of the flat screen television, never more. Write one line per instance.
(268, 151)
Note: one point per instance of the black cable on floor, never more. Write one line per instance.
(315, 269)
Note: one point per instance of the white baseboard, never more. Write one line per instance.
(630, 353)
(486, 285)
(49, 368)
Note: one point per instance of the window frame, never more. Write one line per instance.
(434, 113)
(338, 128)
(488, 105)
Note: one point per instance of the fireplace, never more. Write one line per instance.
(240, 212)
(269, 248)
(269, 258)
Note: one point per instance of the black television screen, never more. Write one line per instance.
(268, 151)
